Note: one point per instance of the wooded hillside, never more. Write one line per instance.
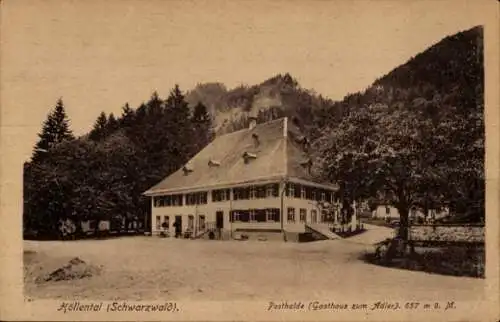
(415, 138)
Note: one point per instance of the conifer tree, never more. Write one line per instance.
(55, 130)
(155, 105)
(128, 115)
(151, 129)
(113, 124)
(179, 125)
(200, 114)
(202, 124)
(100, 128)
(136, 126)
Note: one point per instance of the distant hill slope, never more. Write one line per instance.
(447, 78)
(278, 96)
(445, 81)
(452, 70)
(435, 101)
(455, 60)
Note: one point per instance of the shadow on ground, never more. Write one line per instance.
(446, 260)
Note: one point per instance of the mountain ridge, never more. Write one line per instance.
(443, 67)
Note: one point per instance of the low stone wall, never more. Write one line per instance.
(314, 234)
(447, 233)
(291, 237)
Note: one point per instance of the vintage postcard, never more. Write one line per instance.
(249, 160)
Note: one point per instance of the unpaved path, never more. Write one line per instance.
(372, 235)
(155, 268)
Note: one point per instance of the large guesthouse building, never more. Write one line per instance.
(258, 178)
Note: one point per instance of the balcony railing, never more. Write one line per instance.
(204, 229)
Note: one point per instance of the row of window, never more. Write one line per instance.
(244, 193)
(221, 195)
(272, 215)
(249, 215)
(165, 224)
(255, 215)
(256, 192)
(170, 200)
(302, 215)
(197, 198)
(310, 193)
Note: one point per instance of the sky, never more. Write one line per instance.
(97, 55)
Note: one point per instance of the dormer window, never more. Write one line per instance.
(252, 123)
(247, 156)
(213, 163)
(307, 164)
(187, 169)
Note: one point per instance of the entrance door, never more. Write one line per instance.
(191, 222)
(178, 226)
(314, 216)
(219, 219)
(201, 222)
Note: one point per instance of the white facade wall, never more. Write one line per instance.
(386, 212)
(381, 212)
(210, 209)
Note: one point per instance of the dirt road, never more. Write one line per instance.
(154, 268)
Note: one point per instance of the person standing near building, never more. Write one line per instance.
(165, 227)
(177, 228)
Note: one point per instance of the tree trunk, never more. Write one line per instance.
(79, 231)
(126, 224)
(403, 222)
(426, 211)
(97, 232)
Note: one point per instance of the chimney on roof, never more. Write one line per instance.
(253, 122)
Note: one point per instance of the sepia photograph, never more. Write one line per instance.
(326, 159)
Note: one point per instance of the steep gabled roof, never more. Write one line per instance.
(276, 155)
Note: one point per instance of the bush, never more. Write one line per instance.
(447, 260)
